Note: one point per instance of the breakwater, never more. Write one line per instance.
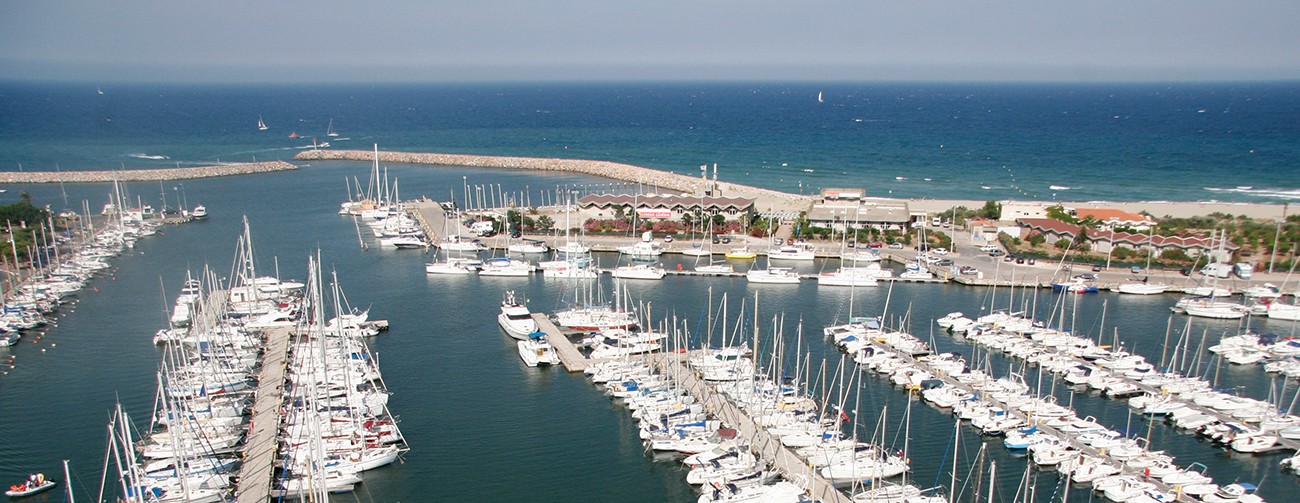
(666, 182)
(144, 175)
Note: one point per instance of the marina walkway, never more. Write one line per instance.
(1072, 441)
(761, 442)
(255, 474)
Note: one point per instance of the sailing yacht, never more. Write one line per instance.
(261, 126)
(777, 275)
(639, 271)
(329, 130)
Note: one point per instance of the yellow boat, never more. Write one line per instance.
(742, 253)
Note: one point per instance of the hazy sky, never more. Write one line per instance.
(440, 40)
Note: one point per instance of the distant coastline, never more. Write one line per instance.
(144, 175)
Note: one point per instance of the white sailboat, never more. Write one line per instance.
(329, 130)
(261, 126)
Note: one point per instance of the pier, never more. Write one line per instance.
(258, 467)
(144, 175)
(761, 443)
(572, 360)
(1072, 441)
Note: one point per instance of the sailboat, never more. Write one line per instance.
(819, 97)
(329, 130)
(1143, 287)
(261, 126)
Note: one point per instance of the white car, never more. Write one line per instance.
(939, 251)
(990, 247)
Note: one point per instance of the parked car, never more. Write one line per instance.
(1186, 271)
(1009, 258)
(939, 251)
(726, 240)
(896, 246)
(1135, 269)
(990, 247)
(1031, 261)
(778, 241)
(923, 247)
(1097, 267)
(944, 262)
(997, 253)
(669, 239)
(968, 270)
(1021, 260)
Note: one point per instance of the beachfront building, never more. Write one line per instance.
(1109, 219)
(841, 209)
(1015, 210)
(663, 207)
(1106, 240)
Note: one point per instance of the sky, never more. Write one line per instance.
(584, 40)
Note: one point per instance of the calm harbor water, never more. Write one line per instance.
(485, 427)
(482, 426)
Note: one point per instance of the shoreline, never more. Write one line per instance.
(145, 175)
(765, 199)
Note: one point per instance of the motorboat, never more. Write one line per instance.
(639, 271)
(504, 266)
(1140, 287)
(848, 276)
(528, 246)
(404, 242)
(200, 212)
(536, 350)
(35, 483)
(791, 252)
(642, 249)
(741, 253)
(515, 318)
(455, 243)
(779, 275)
(453, 265)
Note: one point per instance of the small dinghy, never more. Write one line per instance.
(34, 484)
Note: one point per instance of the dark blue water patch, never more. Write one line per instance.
(1112, 141)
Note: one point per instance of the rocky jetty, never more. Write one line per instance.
(666, 182)
(144, 175)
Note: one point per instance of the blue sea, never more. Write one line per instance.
(1079, 142)
(482, 426)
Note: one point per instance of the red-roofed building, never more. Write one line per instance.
(1112, 218)
(663, 207)
(1102, 241)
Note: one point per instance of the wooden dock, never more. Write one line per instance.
(761, 442)
(255, 474)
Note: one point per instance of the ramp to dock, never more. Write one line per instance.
(260, 445)
(573, 360)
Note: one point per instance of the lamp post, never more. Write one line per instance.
(1276, 234)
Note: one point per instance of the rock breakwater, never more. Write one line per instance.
(144, 175)
(666, 182)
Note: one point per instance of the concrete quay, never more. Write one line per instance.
(144, 175)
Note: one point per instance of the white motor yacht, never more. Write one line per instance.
(515, 318)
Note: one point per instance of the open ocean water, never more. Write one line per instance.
(484, 427)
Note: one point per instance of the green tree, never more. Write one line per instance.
(1062, 244)
(1036, 239)
(991, 210)
(545, 223)
(1058, 213)
(719, 221)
